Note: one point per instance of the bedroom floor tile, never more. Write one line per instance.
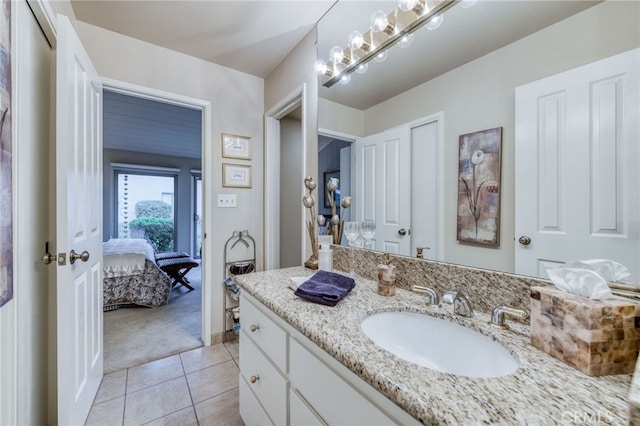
(195, 387)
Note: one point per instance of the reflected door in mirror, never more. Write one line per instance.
(577, 158)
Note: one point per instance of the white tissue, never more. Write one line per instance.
(581, 282)
(610, 270)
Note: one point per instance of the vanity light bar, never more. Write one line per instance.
(382, 41)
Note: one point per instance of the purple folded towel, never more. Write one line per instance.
(326, 288)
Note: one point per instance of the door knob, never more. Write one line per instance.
(524, 240)
(47, 258)
(73, 256)
(404, 232)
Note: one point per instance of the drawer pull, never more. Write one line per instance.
(254, 379)
(254, 328)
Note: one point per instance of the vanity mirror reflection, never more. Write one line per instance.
(471, 74)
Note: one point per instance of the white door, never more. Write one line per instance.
(577, 158)
(78, 227)
(383, 187)
(425, 193)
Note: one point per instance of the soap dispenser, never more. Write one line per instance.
(325, 255)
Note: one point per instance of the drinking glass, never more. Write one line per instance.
(368, 230)
(352, 232)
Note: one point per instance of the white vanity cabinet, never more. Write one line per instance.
(285, 379)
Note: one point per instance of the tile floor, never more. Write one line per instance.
(197, 387)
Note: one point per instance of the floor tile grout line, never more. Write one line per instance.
(186, 379)
(124, 403)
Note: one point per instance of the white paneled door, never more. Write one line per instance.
(78, 227)
(577, 157)
(383, 179)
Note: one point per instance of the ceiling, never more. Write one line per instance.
(249, 36)
(132, 123)
(255, 36)
(465, 35)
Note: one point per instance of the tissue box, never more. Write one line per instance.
(598, 337)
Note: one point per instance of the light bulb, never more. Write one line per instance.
(355, 40)
(405, 40)
(320, 67)
(345, 79)
(435, 22)
(381, 57)
(362, 68)
(336, 54)
(378, 21)
(407, 5)
(466, 4)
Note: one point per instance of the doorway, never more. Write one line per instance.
(293, 168)
(152, 153)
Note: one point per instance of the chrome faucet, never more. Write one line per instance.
(461, 305)
(499, 313)
(431, 294)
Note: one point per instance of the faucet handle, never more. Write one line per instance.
(499, 313)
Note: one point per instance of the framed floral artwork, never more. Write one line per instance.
(479, 169)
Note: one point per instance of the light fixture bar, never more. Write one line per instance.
(390, 41)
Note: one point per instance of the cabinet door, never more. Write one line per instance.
(331, 397)
(301, 413)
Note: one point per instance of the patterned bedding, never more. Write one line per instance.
(150, 287)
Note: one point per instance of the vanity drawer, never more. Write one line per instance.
(264, 380)
(251, 411)
(335, 401)
(267, 334)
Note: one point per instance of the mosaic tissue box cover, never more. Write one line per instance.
(597, 337)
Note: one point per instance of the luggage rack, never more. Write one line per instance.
(244, 265)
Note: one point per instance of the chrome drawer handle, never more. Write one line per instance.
(254, 379)
(254, 328)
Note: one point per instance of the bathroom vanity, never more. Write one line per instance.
(303, 363)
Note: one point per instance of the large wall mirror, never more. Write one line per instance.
(475, 72)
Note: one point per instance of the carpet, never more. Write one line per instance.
(133, 336)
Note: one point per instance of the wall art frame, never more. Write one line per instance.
(479, 187)
(236, 146)
(236, 175)
(6, 156)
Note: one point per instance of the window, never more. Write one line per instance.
(145, 207)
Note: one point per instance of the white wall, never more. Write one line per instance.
(340, 118)
(481, 95)
(293, 72)
(237, 107)
(23, 321)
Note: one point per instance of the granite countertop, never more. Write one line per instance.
(543, 390)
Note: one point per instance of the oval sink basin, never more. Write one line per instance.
(439, 344)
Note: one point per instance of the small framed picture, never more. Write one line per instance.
(234, 146)
(236, 175)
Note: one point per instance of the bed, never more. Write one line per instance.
(131, 275)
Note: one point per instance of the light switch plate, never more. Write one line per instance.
(226, 200)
